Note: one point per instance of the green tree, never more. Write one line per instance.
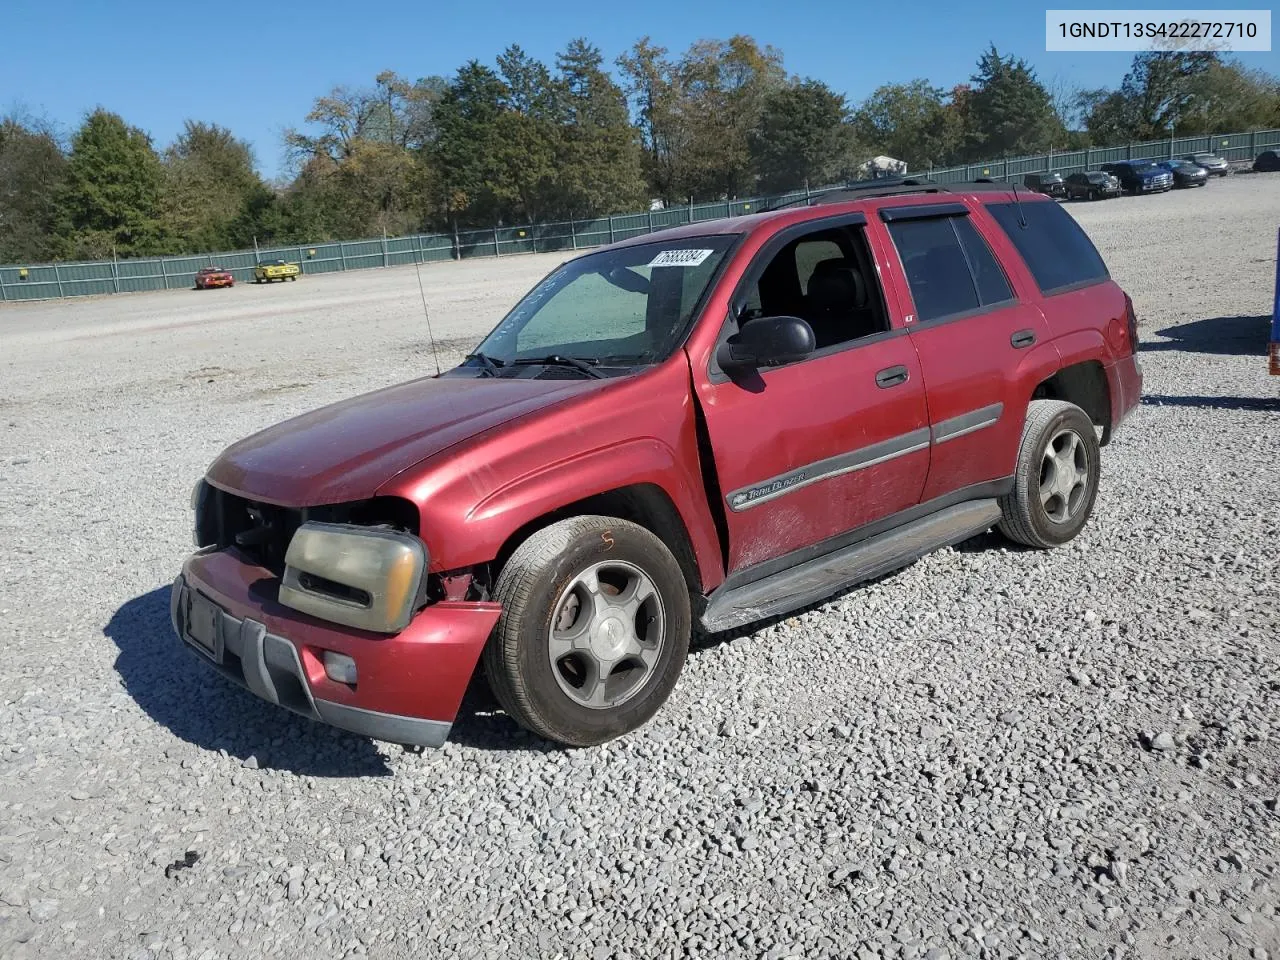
(723, 86)
(1109, 116)
(599, 162)
(1012, 112)
(209, 176)
(911, 122)
(112, 194)
(653, 86)
(803, 137)
(528, 137)
(33, 170)
(1161, 88)
(465, 155)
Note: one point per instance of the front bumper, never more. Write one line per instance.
(408, 686)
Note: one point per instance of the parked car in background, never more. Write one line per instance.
(1185, 173)
(210, 277)
(268, 270)
(1050, 184)
(817, 395)
(1140, 176)
(1092, 185)
(1216, 166)
(1268, 162)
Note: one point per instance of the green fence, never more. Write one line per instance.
(50, 281)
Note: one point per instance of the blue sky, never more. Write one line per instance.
(256, 67)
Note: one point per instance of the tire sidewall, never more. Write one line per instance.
(1048, 531)
(572, 722)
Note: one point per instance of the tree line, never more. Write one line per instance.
(523, 141)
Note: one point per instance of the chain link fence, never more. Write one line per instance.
(54, 280)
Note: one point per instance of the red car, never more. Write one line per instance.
(211, 277)
(713, 424)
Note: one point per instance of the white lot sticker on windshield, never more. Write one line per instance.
(680, 258)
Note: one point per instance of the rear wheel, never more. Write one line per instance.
(594, 630)
(1055, 482)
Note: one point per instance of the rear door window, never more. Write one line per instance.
(949, 267)
(1057, 251)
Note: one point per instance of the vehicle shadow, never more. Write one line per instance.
(1213, 403)
(1227, 336)
(203, 708)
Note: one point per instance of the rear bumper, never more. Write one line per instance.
(408, 687)
(1124, 377)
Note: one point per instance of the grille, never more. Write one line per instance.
(262, 531)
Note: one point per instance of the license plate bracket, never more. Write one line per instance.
(204, 626)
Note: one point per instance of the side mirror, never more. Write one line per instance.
(767, 342)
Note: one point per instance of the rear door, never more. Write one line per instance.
(807, 452)
(973, 335)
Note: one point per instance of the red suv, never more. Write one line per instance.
(703, 427)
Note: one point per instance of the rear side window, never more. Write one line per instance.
(1058, 253)
(949, 267)
(992, 286)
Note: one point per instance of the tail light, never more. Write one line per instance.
(1131, 319)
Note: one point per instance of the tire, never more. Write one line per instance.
(1051, 502)
(544, 681)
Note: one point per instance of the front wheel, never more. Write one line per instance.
(594, 630)
(1055, 482)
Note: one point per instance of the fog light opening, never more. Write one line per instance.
(340, 668)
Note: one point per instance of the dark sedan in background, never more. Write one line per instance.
(1092, 185)
(1185, 173)
(1216, 166)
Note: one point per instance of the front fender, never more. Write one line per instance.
(634, 462)
(475, 496)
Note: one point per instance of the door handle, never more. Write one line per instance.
(1023, 338)
(891, 376)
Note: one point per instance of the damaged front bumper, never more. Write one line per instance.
(408, 686)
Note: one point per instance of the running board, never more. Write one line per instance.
(799, 586)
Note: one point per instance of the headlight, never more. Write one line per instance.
(363, 577)
(201, 536)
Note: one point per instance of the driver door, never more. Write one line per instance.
(807, 453)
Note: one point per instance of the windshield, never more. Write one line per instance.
(1138, 166)
(628, 305)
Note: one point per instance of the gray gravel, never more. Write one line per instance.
(992, 753)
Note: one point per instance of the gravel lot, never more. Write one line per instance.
(992, 753)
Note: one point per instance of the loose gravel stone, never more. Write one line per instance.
(957, 760)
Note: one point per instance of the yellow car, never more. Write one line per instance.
(268, 270)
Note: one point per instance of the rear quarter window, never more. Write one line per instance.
(1057, 251)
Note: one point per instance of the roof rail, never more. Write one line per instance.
(891, 186)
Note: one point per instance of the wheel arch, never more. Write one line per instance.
(645, 504)
(1084, 384)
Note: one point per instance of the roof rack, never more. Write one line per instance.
(891, 186)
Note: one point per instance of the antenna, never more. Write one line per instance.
(417, 267)
(1022, 217)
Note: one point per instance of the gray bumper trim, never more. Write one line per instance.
(269, 667)
(384, 726)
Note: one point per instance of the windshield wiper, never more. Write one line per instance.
(491, 364)
(585, 364)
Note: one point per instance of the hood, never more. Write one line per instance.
(347, 450)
